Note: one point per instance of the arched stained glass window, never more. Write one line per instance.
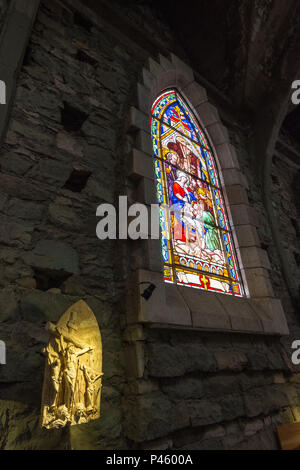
(197, 243)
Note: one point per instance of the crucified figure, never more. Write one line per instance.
(70, 365)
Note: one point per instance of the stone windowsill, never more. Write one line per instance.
(185, 307)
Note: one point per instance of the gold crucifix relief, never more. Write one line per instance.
(73, 370)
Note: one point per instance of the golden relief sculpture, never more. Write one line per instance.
(73, 371)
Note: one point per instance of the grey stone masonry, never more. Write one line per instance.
(186, 369)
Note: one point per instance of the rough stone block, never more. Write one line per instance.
(18, 232)
(39, 306)
(64, 216)
(184, 388)
(154, 416)
(158, 444)
(25, 209)
(97, 189)
(27, 282)
(8, 306)
(258, 361)
(214, 432)
(198, 358)
(221, 384)
(253, 427)
(52, 171)
(204, 412)
(165, 360)
(174, 361)
(69, 144)
(278, 378)
(232, 406)
(53, 255)
(14, 163)
(231, 361)
(203, 445)
(142, 387)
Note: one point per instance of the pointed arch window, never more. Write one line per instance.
(197, 243)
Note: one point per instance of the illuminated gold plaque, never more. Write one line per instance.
(73, 370)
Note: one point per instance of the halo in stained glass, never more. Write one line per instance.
(197, 244)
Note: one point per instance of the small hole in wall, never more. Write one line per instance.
(77, 180)
(275, 180)
(27, 56)
(87, 59)
(264, 246)
(72, 118)
(295, 224)
(82, 21)
(48, 279)
(297, 258)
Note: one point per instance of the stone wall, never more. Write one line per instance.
(4, 4)
(64, 154)
(58, 163)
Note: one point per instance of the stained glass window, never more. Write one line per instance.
(197, 243)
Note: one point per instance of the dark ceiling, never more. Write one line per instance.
(248, 49)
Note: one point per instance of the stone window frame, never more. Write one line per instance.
(178, 306)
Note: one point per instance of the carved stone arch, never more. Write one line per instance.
(73, 369)
(261, 312)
